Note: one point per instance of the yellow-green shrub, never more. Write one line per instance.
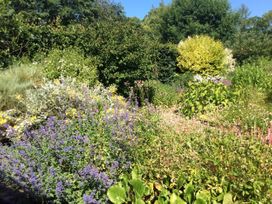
(202, 55)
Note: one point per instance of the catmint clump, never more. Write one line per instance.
(71, 157)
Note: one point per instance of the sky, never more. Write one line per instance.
(139, 8)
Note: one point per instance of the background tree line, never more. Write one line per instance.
(127, 49)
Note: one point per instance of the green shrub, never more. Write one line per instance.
(251, 116)
(253, 39)
(70, 63)
(202, 54)
(124, 51)
(165, 60)
(182, 80)
(256, 74)
(15, 81)
(156, 93)
(27, 28)
(203, 96)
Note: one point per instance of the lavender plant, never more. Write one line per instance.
(76, 153)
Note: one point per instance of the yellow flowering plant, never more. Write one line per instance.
(2, 119)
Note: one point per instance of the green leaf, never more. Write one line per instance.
(161, 200)
(189, 190)
(182, 179)
(139, 187)
(174, 199)
(228, 199)
(204, 195)
(164, 193)
(117, 194)
(200, 201)
(139, 201)
(134, 174)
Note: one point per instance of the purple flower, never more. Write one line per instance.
(90, 172)
(89, 199)
(114, 166)
(33, 179)
(59, 188)
(67, 149)
(52, 171)
(22, 152)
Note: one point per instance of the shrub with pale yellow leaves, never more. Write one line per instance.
(202, 55)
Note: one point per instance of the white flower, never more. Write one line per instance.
(198, 78)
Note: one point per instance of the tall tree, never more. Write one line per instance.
(254, 36)
(183, 18)
(66, 11)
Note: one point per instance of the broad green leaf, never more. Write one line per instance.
(164, 193)
(117, 194)
(139, 187)
(174, 199)
(161, 200)
(134, 174)
(189, 190)
(200, 201)
(228, 199)
(139, 201)
(205, 195)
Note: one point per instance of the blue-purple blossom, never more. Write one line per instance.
(90, 172)
(114, 166)
(89, 199)
(59, 189)
(52, 171)
(69, 150)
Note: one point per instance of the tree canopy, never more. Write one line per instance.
(65, 11)
(183, 18)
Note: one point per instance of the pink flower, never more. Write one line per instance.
(269, 135)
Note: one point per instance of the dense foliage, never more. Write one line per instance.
(257, 75)
(14, 83)
(157, 93)
(206, 95)
(134, 189)
(213, 161)
(181, 19)
(202, 55)
(82, 133)
(97, 107)
(30, 26)
(253, 38)
(70, 63)
(124, 53)
(47, 12)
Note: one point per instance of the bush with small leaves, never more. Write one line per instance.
(204, 96)
(202, 55)
(71, 63)
(157, 93)
(84, 141)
